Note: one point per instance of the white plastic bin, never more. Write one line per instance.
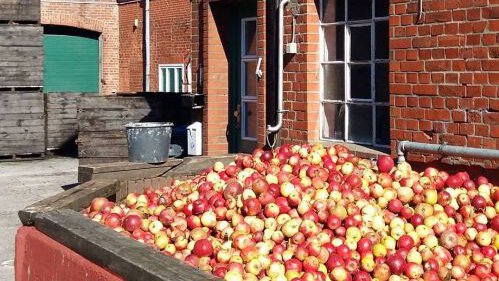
(195, 139)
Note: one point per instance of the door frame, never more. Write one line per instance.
(242, 84)
(242, 11)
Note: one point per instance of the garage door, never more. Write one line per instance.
(71, 61)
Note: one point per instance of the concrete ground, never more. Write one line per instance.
(21, 184)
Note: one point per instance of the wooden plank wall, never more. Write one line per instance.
(21, 55)
(22, 123)
(102, 120)
(20, 10)
(62, 122)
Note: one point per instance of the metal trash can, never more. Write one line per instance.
(149, 142)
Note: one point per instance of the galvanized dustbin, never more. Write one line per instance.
(148, 142)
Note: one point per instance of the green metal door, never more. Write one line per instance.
(71, 62)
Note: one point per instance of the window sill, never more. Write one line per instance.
(363, 151)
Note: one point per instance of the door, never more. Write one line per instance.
(243, 59)
(248, 85)
(71, 62)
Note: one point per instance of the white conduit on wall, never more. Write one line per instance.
(280, 69)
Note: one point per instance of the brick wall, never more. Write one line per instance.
(100, 16)
(301, 77)
(215, 81)
(170, 32)
(444, 75)
(131, 52)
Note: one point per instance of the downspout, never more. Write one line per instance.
(280, 69)
(446, 150)
(147, 41)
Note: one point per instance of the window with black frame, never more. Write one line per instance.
(354, 71)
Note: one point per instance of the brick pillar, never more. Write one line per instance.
(301, 77)
(310, 68)
(262, 53)
(215, 85)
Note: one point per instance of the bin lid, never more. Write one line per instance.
(195, 125)
(148, 124)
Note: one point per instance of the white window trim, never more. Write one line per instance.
(347, 62)
(178, 88)
(245, 98)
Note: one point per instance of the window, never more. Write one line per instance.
(354, 71)
(171, 78)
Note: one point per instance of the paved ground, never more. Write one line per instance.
(21, 184)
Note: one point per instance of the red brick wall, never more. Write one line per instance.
(170, 32)
(102, 17)
(301, 77)
(444, 74)
(215, 81)
(131, 52)
(261, 14)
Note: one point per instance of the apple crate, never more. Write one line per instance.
(94, 251)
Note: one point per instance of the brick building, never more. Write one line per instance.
(366, 72)
(170, 35)
(370, 73)
(94, 23)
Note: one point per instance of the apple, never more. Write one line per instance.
(385, 163)
(203, 248)
(132, 222)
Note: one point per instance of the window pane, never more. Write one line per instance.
(171, 79)
(360, 81)
(382, 125)
(381, 40)
(381, 82)
(179, 79)
(250, 119)
(250, 38)
(334, 36)
(334, 81)
(360, 123)
(381, 9)
(250, 78)
(360, 43)
(359, 9)
(163, 79)
(333, 10)
(333, 124)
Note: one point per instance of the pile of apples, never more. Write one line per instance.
(307, 212)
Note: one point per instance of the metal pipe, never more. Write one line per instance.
(280, 69)
(147, 39)
(420, 11)
(447, 150)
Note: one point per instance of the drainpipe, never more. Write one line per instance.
(280, 69)
(447, 150)
(147, 40)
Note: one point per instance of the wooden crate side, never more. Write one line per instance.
(21, 55)
(22, 123)
(20, 10)
(62, 122)
(102, 120)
